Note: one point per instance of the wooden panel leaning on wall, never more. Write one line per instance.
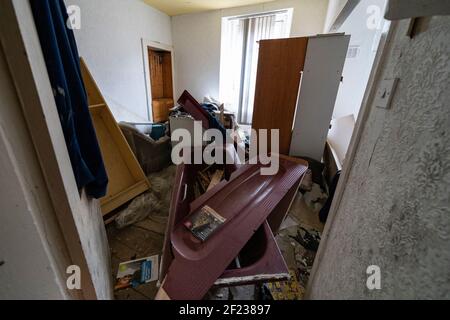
(126, 178)
(280, 64)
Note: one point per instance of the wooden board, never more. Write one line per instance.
(126, 178)
(322, 74)
(280, 64)
(167, 75)
(156, 74)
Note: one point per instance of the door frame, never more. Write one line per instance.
(155, 45)
(28, 70)
(384, 46)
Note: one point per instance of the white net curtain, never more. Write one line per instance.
(239, 57)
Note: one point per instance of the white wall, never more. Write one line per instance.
(38, 191)
(32, 249)
(334, 8)
(357, 70)
(110, 42)
(197, 40)
(394, 211)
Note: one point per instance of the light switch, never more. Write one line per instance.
(385, 93)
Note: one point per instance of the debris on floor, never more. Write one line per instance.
(246, 292)
(315, 198)
(143, 238)
(286, 290)
(207, 179)
(295, 247)
(288, 223)
(154, 202)
(218, 293)
(137, 210)
(308, 239)
(132, 243)
(215, 179)
(299, 239)
(243, 293)
(307, 182)
(137, 272)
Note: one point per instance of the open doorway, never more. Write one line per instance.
(160, 64)
(159, 74)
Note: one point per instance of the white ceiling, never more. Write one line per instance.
(177, 7)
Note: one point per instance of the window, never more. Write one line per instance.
(239, 56)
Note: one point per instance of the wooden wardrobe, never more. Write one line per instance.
(296, 88)
(280, 65)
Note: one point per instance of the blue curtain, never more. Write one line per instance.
(63, 65)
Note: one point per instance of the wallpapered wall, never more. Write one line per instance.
(395, 209)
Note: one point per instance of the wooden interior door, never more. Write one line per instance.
(161, 84)
(280, 64)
